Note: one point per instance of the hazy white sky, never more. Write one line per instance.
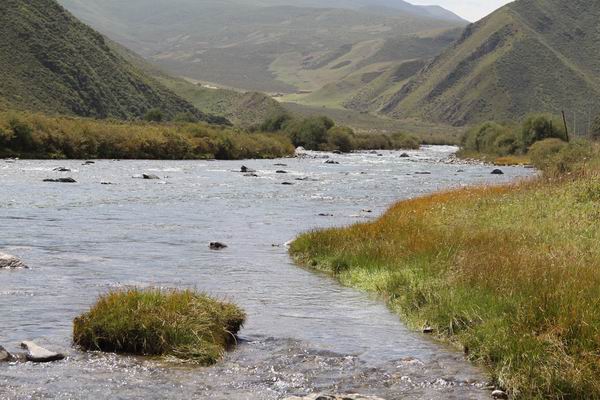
(469, 9)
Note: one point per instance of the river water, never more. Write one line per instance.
(305, 333)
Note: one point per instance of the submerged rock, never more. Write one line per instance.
(281, 172)
(89, 163)
(5, 355)
(10, 262)
(150, 176)
(61, 180)
(61, 169)
(331, 162)
(497, 172)
(335, 397)
(287, 183)
(217, 246)
(251, 175)
(39, 354)
(499, 394)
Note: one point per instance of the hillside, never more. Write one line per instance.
(53, 63)
(241, 108)
(275, 46)
(529, 56)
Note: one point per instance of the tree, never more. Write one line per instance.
(596, 129)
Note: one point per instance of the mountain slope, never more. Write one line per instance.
(277, 46)
(241, 108)
(529, 56)
(51, 62)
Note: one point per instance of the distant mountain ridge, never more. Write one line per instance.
(528, 56)
(53, 63)
(274, 46)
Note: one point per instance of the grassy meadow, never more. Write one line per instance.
(184, 324)
(510, 274)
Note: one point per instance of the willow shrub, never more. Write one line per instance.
(39, 136)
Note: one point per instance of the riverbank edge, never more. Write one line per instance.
(358, 257)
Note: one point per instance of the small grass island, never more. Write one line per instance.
(185, 324)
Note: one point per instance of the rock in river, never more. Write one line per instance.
(61, 180)
(10, 262)
(39, 354)
(335, 397)
(4, 355)
(404, 155)
(217, 246)
(497, 172)
(499, 394)
(61, 169)
(245, 169)
(150, 176)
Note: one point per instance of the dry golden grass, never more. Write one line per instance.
(510, 273)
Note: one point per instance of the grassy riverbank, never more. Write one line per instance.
(184, 324)
(29, 135)
(511, 274)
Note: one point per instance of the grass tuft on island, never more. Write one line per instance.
(511, 274)
(153, 322)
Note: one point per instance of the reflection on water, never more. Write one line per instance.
(305, 332)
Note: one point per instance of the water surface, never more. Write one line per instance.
(305, 333)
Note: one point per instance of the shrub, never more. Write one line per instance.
(540, 127)
(572, 158)
(155, 322)
(275, 123)
(491, 138)
(341, 138)
(402, 140)
(542, 153)
(309, 133)
(154, 115)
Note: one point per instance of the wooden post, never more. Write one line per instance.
(566, 127)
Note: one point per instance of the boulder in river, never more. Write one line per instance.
(331, 162)
(39, 354)
(497, 172)
(217, 246)
(150, 176)
(61, 169)
(287, 183)
(10, 262)
(245, 169)
(335, 397)
(404, 155)
(281, 172)
(4, 355)
(500, 395)
(89, 162)
(61, 180)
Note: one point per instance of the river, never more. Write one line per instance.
(305, 333)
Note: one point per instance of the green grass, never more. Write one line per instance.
(510, 274)
(153, 322)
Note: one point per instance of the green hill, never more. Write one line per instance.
(529, 56)
(53, 63)
(241, 108)
(273, 46)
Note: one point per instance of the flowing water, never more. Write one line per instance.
(305, 333)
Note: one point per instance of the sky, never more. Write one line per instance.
(471, 10)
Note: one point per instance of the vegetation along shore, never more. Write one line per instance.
(30, 135)
(510, 274)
